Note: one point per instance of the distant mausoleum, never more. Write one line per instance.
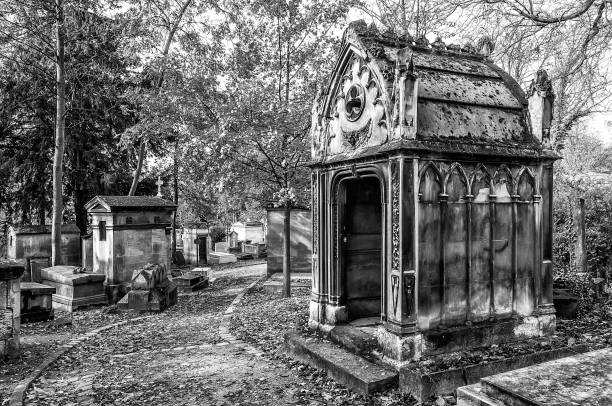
(432, 182)
(34, 241)
(196, 245)
(129, 232)
(251, 232)
(300, 235)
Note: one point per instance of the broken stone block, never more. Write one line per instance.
(148, 277)
(151, 290)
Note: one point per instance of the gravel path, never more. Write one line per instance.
(176, 357)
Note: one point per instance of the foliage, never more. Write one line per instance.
(581, 174)
(217, 234)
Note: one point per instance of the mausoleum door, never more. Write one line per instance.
(361, 242)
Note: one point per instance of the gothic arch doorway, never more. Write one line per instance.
(360, 229)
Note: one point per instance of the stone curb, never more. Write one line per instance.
(224, 330)
(18, 394)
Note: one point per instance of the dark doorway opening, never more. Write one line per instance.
(361, 246)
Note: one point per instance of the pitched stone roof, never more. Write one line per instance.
(464, 102)
(130, 203)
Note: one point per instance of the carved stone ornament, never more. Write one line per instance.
(395, 291)
(409, 293)
(395, 216)
(354, 102)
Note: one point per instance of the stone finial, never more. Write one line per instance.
(541, 104)
(485, 46)
(373, 30)
(439, 44)
(422, 42)
(358, 25)
(404, 57)
(159, 184)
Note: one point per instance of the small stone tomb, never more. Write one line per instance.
(10, 272)
(221, 258)
(205, 272)
(129, 232)
(151, 290)
(35, 241)
(577, 380)
(36, 302)
(190, 282)
(75, 288)
(196, 245)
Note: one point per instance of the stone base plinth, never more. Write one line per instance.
(36, 302)
(74, 290)
(221, 258)
(10, 308)
(189, 282)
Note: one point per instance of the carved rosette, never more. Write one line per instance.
(358, 112)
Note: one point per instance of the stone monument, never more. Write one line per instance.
(34, 241)
(432, 197)
(128, 233)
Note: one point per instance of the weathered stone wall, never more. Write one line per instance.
(23, 246)
(134, 248)
(301, 240)
(10, 307)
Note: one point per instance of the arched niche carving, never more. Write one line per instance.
(525, 188)
(430, 184)
(503, 185)
(456, 183)
(357, 107)
(480, 186)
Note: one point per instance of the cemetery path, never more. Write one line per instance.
(176, 357)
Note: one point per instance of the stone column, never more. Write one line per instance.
(10, 307)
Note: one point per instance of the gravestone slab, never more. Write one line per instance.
(221, 246)
(205, 272)
(221, 258)
(190, 282)
(577, 380)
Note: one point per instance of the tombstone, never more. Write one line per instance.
(233, 239)
(222, 258)
(10, 299)
(74, 287)
(222, 246)
(129, 232)
(151, 290)
(301, 239)
(35, 241)
(432, 198)
(87, 251)
(196, 245)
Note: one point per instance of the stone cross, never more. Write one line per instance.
(159, 184)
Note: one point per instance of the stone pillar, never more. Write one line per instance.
(580, 257)
(10, 306)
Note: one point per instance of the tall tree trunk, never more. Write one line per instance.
(141, 154)
(287, 252)
(58, 156)
(176, 196)
(172, 28)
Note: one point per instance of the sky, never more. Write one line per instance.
(600, 125)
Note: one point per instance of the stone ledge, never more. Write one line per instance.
(345, 367)
(425, 385)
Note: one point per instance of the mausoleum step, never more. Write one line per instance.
(345, 367)
(472, 395)
(354, 339)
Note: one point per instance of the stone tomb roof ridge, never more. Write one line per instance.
(117, 203)
(44, 229)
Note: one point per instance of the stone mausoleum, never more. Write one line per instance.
(129, 232)
(432, 196)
